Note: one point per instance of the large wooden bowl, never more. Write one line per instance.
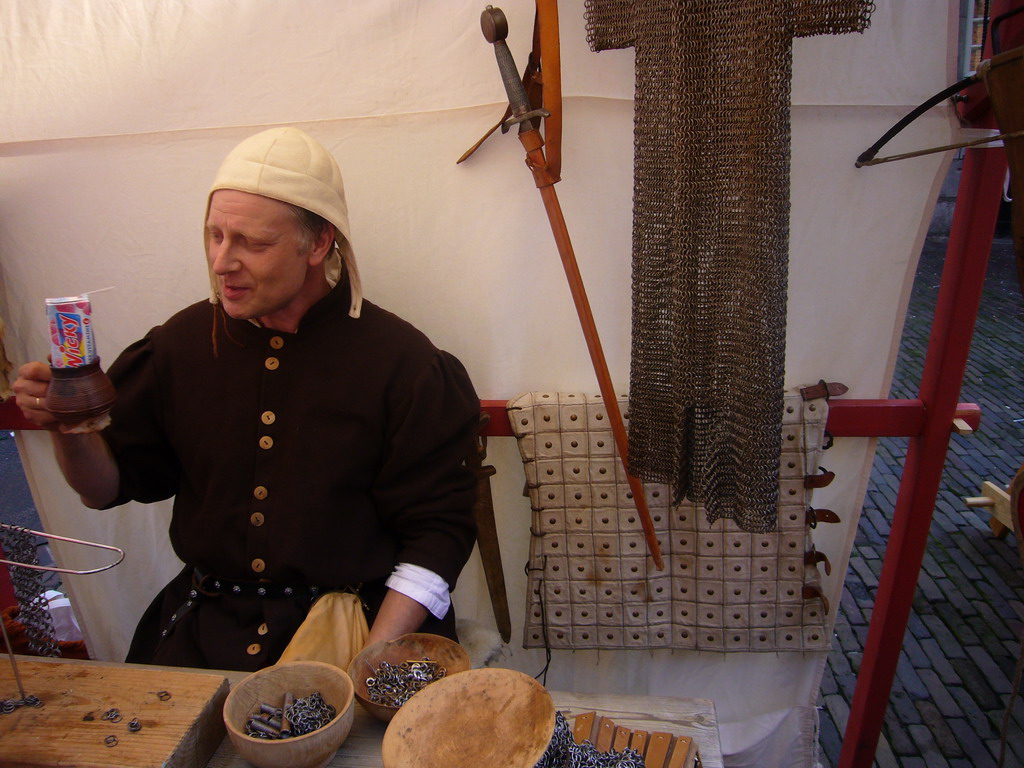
(483, 717)
(301, 678)
(415, 646)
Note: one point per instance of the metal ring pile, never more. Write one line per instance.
(564, 752)
(9, 705)
(296, 717)
(393, 684)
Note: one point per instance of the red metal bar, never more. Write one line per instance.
(963, 277)
(846, 418)
(11, 418)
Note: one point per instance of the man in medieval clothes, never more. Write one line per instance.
(312, 441)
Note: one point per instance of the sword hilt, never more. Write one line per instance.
(495, 28)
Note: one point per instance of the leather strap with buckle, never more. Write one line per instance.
(824, 389)
(813, 557)
(815, 516)
(820, 480)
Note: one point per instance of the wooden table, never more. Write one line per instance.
(680, 717)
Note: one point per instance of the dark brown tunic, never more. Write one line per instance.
(320, 458)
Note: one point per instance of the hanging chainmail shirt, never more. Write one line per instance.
(711, 237)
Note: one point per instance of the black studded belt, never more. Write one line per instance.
(205, 585)
(213, 586)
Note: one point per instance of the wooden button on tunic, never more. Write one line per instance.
(276, 342)
(256, 518)
(266, 442)
(258, 565)
(262, 629)
(253, 649)
(272, 363)
(260, 492)
(268, 417)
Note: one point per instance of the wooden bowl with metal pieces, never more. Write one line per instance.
(447, 657)
(265, 690)
(482, 717)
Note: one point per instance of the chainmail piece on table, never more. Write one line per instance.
(564, 752)
(34, 612)
(711, 237)
(591, 582)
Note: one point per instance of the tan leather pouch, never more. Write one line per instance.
(334, 631)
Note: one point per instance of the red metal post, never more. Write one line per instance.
(7, 596)
(963, 277)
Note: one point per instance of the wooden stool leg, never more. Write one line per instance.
(998, 529)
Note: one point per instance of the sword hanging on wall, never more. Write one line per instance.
(521, 113)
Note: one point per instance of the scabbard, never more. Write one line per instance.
(533, 144)
(487, 535)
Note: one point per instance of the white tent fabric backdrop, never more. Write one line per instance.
(117, 113)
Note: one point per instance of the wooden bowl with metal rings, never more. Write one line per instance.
(381, 683)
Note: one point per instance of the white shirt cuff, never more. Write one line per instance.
(422, 585)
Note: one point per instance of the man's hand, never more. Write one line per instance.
(30, 390)
(85, 459)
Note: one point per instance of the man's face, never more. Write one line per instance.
(254, 246)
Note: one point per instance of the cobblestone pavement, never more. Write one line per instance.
(957, 665)
(16, 505)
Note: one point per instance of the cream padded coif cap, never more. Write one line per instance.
(289, 165)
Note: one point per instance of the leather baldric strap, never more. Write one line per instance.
(546, 36)
(542, 79)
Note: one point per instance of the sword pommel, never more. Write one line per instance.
(494, 24)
